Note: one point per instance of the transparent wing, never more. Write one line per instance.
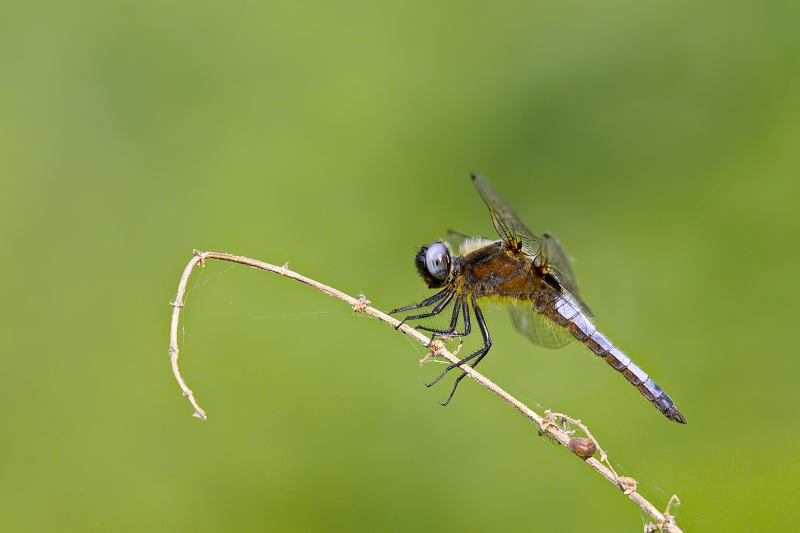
(538, 328)
(558, 262)
(505, 219)
(517, 234)
(456, 238)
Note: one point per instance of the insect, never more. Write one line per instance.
(582, 447)
(529, 274)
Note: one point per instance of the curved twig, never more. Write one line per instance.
(548, 424)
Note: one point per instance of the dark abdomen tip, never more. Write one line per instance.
(674, 414)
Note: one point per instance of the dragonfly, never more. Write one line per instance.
(530, 275)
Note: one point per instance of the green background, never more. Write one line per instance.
(658, 140)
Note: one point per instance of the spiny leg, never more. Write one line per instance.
(453, 320)
(487, 344)
(436, 310)
(447, 294)
(461, 307)
(424, 303)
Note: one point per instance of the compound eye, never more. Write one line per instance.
(437, 260)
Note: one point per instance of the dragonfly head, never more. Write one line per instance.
(434, 263)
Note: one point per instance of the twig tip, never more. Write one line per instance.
(201, 256)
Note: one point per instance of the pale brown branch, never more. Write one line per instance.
(548, 424)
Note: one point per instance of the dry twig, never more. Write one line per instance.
(548, 425)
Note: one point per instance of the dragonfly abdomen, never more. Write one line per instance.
(567, 313)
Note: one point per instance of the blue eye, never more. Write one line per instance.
(437, 260)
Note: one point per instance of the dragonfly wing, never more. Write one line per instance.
(505, 219)
(558, 262)
(520, 238)
(457, 241)
(456, 238)
(539, 329)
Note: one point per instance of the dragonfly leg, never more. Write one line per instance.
(447, 294)
(461, 307)
(476, 356)
(480, 354)
(424, 303)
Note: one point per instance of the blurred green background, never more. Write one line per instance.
(657, 140)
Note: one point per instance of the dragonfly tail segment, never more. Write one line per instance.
(567, 313)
